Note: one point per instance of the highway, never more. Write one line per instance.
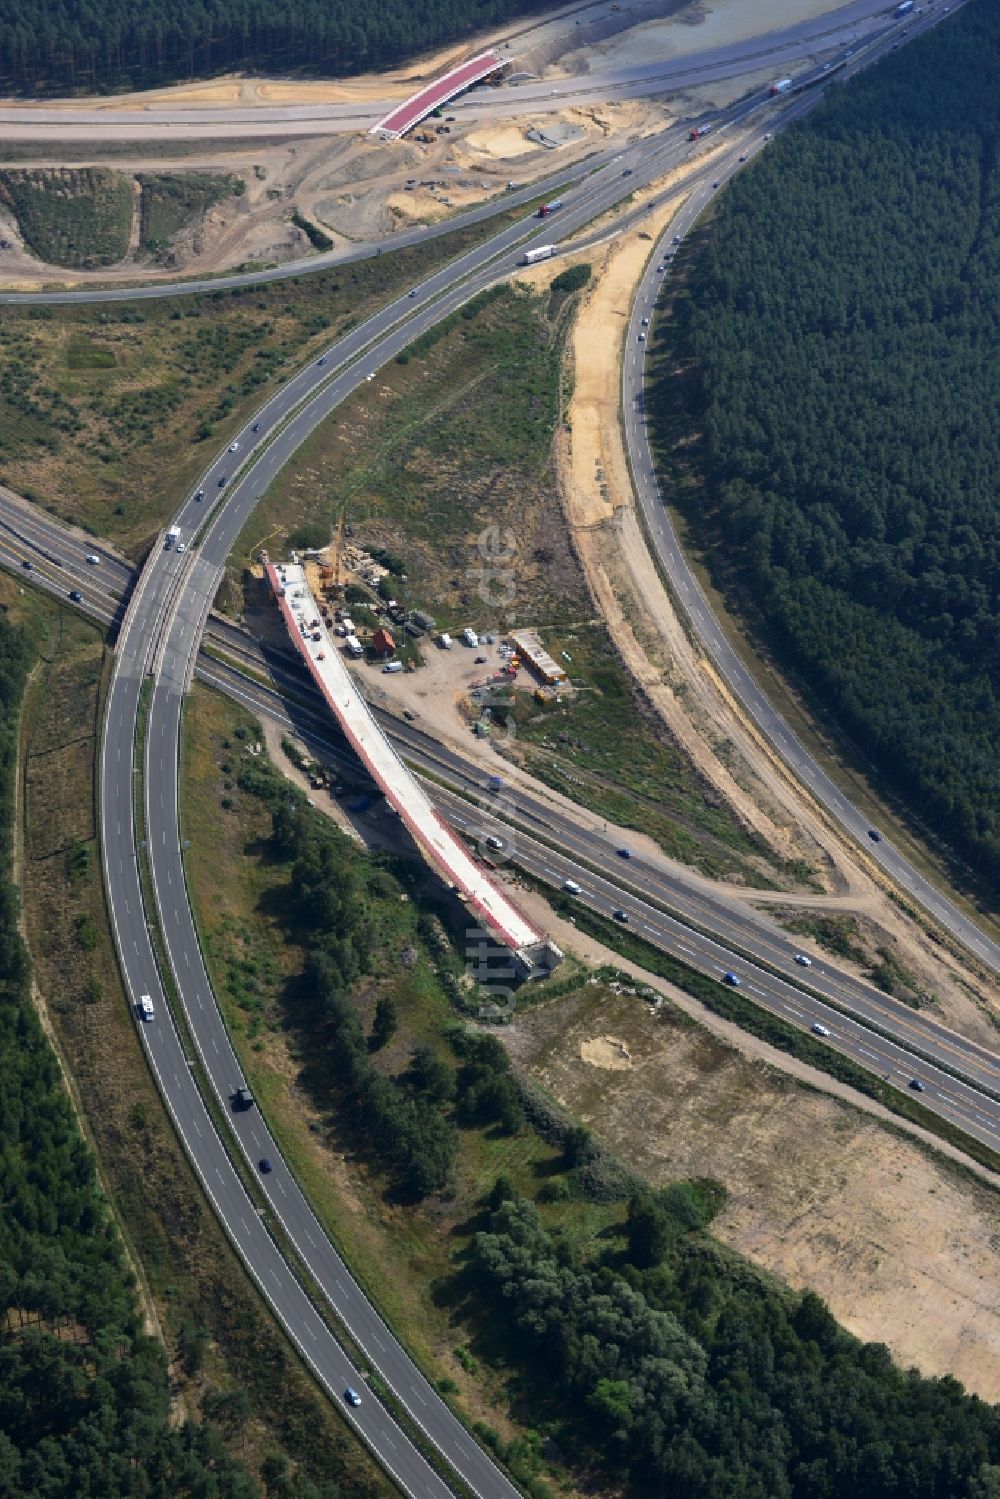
(573, 848)
(157, 652)
(778, 49)
(698, 610)
(159, 639)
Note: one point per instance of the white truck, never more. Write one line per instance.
(544, 252)
(173, 536)
(354, 646)
(470, 637)
(444, 641)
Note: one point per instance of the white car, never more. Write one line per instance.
(234, 447)
(803, 961)
(181, 547)
(93, 559)
(146, 1011)
(820, 1030)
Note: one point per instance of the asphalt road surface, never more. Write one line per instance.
(159, 639)
(778, 49)
(158, 644)
(514, 811)
(698, 610)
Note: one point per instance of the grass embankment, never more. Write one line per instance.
(79, 218)
(445, 466)
(108, 414)
(170, 201)
(227, 1358)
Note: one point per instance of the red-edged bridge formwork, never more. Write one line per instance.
(403, 118)
(494, 910)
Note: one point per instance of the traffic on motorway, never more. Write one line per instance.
(160, 638)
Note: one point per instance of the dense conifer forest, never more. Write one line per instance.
(76, 45)
(837, 351)
(84, 1395)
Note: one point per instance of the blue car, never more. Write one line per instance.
(264, 1165)
(732, 980)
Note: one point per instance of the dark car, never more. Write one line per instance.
(242, 1099)
(916, 1085)
(27, 564)
(624, 853)
(351, 1395)
(200, 495)
(480, 660)
(264, 1165)
(620, 915)
(732, 979)
(76, 595)
(321, 359)
(223, 480)
(874, 836)
(255, 427)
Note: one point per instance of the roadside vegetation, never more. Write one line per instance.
(108, 414)
(444, 467)
(834, 351)
(608, 1335)
(255, 1413)
(171, 201)
(77, 217)
(84, 1392)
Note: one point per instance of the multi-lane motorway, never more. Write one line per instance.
(158, 646)
(698, 610)
(159, 639)
(781, 48)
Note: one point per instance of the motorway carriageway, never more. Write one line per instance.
(161, 636)
(778, 49)
(166, 615)
(561, 849)
(689, 593)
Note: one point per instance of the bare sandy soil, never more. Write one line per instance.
(695, 27)
(902, 1248)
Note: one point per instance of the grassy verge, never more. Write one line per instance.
(77, 218)
(107, 415)
(227, 1358)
